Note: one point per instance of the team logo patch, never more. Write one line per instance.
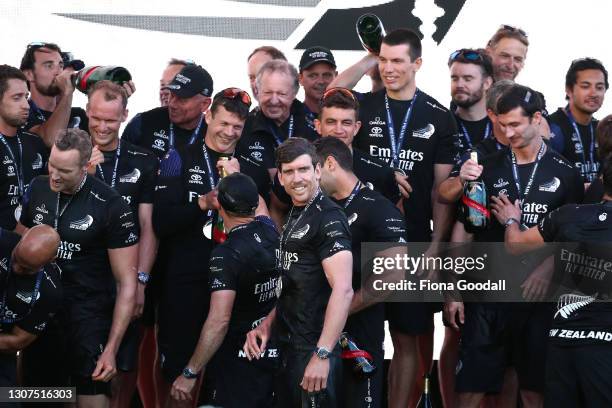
(337, 246)
(83, 224)
(37, 163)
(603, 216)
(131, 238)
(257, 156)
(130, 177)
(299, 234)
(550, 186)
(424, 133)
(376, 131)
(159, 144)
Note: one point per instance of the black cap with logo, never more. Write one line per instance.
(238, 194)
(316, 54)
(192, 80)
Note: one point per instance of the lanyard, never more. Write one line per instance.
(58, 212)
(396, 143)
(114, 176)
(193, 137)
(466, 134)
(275, 132)
(211, 177)
(10, 320)
(353, 194)
(39, 113)
(287, 232)
(568, 112)
(18, 167)
(523, 195)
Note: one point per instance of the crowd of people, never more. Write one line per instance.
(211, 253)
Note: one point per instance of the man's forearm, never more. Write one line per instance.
(450, 190)
(443, 218)
(122, 313)
(211, 337)
(335, 317)
(57, 121)
(353, 74)
(148, 243)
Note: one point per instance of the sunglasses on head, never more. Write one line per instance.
(37, 44)
(333, 91)
(234, 93)
(513, 29)
(469, 55)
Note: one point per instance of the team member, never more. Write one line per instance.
(97, 256)
(182, 121)
(31, 292)
(578, 365)
(132, 172)
(174, 66)
(257, 59)
(315, 291)
(471, 74)
(541, 180)
(418, 138)
(372, 218)
(183, 218)
(243, 279)
(279, 118)
(508, 51)
(317, 70)
(24, 155)
(586, 83)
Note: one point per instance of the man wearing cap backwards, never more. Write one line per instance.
(242, 281)
(184, 213)
(317, 70)
(182, 121)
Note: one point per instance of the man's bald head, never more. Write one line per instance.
(37, 247)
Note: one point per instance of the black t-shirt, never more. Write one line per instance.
(312, 234)
(371, 218)
(246, 264)
(594, 194)
(575, 148)
(21, 302)
(431, 138)
(37, 116)
(261, 136)
(584, 259)
(472, 133)
(33, 163)
(91, 221)
(136, 173)
(177, 218)
(151, 130)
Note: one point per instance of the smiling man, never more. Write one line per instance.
(317, 70)
(508, 51)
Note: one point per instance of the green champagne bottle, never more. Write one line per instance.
(475, 203)
(371, 32)
(219, 235)
(88, 76)
(425, 401)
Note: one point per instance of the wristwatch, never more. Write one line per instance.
(143, 277)
(322, 353)
(189, 373)
(510, 221)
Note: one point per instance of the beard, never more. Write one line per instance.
(16, 121)
(49, 90)
(471, 100)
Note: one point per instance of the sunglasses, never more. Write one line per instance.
(37, 44)
(469, 55)
(338, 90)
(237, 93)
(513, 29)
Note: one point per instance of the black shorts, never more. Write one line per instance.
(183, 309)
(579, 376)
(232, 381)
(412, 318)
(127, 355)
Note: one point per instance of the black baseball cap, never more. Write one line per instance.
(192, 80)
(316, 54)
(238, 194)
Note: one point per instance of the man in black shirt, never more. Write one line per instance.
(418, 137)
(182, 121)
(132, 172)
(579, 368)
(31, 292)
(540, 180)
(372, 218)
(242, 281)
(97, 255)
(315, 292)
(317, 70)
(279, 118)
(24, 155)
(471, 74)
(185, 220)
(573, 127)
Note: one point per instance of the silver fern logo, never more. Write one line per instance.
(83, 223)
(130, 177)
(569, 303)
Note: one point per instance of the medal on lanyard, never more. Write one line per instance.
(396, 143)
(589, 174)
(208, 225)
(18, 171)
(193, 137)
(114, 175)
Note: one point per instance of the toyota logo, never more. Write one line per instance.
(196, 177)
(159, 143)
(377, 130)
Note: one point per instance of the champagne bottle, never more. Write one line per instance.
(475, 203)
(219, 234)
(362, 360)
(371, 32)
(88, 76)
(425, 401)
